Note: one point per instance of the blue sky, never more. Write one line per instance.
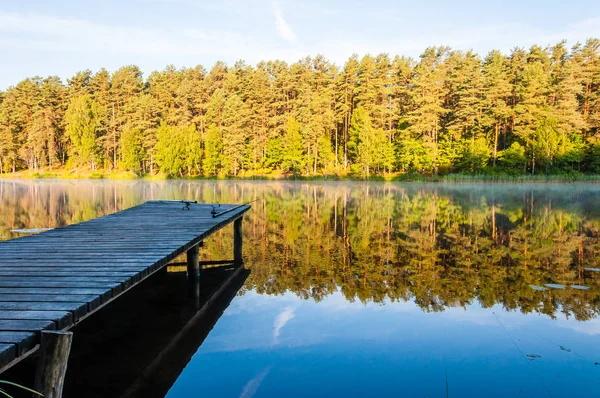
(62, 37)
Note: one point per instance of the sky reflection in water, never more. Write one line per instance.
(285, 346)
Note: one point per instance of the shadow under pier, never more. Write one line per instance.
(138, 346)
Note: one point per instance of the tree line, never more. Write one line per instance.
(529, 111)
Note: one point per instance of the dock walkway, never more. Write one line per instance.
(54, 279)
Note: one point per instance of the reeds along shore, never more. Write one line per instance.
(405, 177)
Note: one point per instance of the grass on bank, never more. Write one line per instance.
(3, 392)
(403, 177)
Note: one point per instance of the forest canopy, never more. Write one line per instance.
(534, 111)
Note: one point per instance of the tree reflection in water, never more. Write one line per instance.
(437, 245)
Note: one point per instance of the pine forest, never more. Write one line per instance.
(531, 111)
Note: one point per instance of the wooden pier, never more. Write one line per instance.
(53, 280)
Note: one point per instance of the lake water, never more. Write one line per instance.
(380, 289)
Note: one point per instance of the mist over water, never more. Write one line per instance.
(380, 289)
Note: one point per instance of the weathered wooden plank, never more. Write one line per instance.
(78, 270)
(47, 297)
(140, 253)
(26, 325)
(66, 259)
(117, 285)
(115, 237)
(115, 256)
(93, 301)
(122, 236)
(58, 271)
(105, 294)
(111, 290)
(35, 277)
(143, 251)
(115, 260)
(106, 253)
(138, 226)
(62, 319)
(43, 283)
(49, 281)
(24, 341)
(109, 251)
(78, 309)
(108, 234)
(106, 280)
(128, 248)
(25, 272)
(54, 290)
(131, 242)
(75, 263)
(58, 244)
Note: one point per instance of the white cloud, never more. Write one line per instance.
(50, 33)
(282, 319)
(283, 28)
(252, 386)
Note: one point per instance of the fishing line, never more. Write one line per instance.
(554, 344)
(541, 380)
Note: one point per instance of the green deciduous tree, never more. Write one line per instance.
(213, 148)
(292, 151)
(132, 148)
(82, 124)
(170, 150)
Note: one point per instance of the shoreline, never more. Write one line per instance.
(449, 178)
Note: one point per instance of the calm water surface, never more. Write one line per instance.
(381, 289)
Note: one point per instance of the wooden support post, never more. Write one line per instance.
(55, 347)
(193, 263)
(237, 241)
